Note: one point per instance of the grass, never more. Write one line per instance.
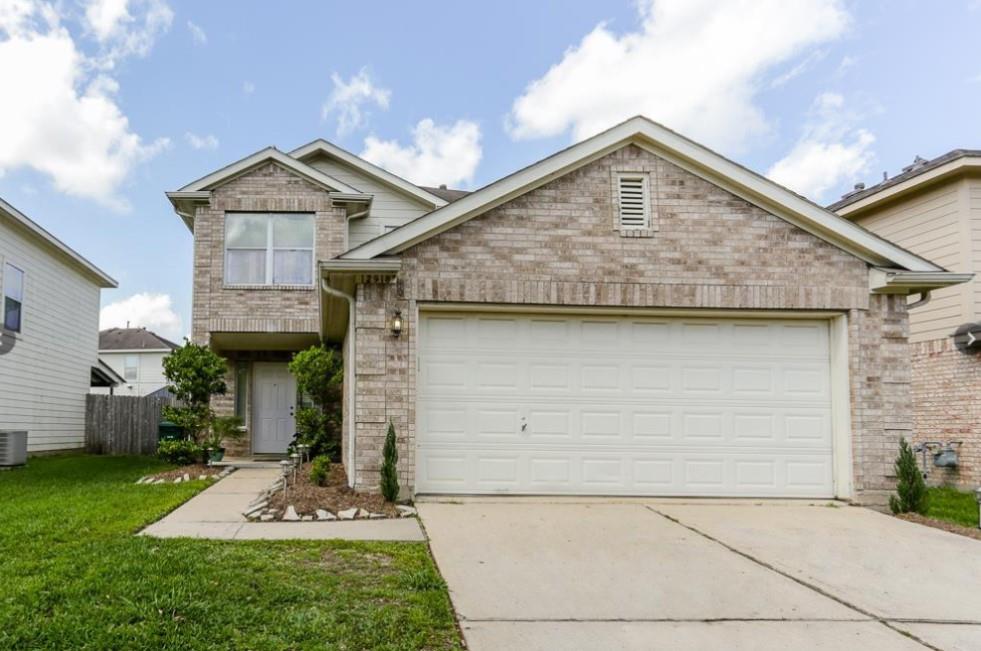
(73, 575)
(952, 505)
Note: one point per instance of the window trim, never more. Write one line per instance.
(3, 298)
(270, 250)
(644, 178)
(136, 368)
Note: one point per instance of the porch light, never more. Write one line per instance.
(284, 467)
(397, 323)
(295, 459)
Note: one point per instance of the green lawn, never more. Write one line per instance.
(73, 576)
(952, 505)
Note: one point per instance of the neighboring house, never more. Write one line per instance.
(49, 299)
(933, 209)
(634, 315)
(136, 355)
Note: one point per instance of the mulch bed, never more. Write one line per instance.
(193, 471)
(970, 532)
(306, 497)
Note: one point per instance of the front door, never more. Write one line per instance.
(275, 406)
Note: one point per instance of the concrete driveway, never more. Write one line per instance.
(578, 574)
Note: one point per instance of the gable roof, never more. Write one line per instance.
(321, 146)
(677, 149)
(448, 194)
(102, 278)
(915, 176)
(133, 339)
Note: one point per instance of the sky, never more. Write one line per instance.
(107, 104)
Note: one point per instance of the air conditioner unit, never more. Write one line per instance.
(13, 448)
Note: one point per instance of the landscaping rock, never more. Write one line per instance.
(376, 516)
(266, 517)
(187, 477)
(307, 518)
(405, 511)
(142, 479)
(178, 480)
(347, 514)
(291, 514)
(202, 476)
(323, 514)
(362, 513)
(255, 509)
(158, 481)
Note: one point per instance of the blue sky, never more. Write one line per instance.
(118, 101)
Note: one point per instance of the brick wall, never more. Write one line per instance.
(558, 245)
(947, 407)
(268, 188)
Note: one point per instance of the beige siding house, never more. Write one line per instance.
(933, 208)
(634, 315)
(49, 335)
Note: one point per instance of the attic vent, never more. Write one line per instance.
(634, 203)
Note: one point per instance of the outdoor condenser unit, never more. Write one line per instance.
(13, 448)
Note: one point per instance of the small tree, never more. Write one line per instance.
(195, 373)
(319, 373)
(910, 487)
(389, 469)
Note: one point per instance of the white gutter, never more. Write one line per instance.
(924, 299)
(900, 281)
(350, 377)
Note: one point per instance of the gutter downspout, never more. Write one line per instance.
(923, 300)
(350, 377)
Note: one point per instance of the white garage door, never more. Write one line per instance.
(623, 406)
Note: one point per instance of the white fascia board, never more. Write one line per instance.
(706, 163)
(133, 351)
(237, 168)
(899, 281)
(393, 180)
(374, 265)
(103, 279)
(952, 168)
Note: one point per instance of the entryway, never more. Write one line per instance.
(274, 416)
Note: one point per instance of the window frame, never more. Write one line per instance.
(136, 368)
(270, 249)
(20, 302)
(644, 178)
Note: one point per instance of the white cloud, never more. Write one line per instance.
(248, 87)
(208, 141)
(151, 311)
(66, 122)
(122, 32)
(348, 100)
(438, 154)
(830, 152)
(197, 33)
(695, 65)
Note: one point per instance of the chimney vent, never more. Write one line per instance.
(442, 186)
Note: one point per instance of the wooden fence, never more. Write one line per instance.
(123, 424)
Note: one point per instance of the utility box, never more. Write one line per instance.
(168, 431)
(13, 448)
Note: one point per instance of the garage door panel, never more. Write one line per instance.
(624, 406)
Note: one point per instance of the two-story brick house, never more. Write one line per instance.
(933, 208)
(632, 315)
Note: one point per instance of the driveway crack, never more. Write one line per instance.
(821, 591)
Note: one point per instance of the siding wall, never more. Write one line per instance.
(388, 208)
(45, 378)
(934, 225)
(972, 194)
(149, 376)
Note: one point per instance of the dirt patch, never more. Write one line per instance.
(194, 471)
(306, 497)
(970, 532)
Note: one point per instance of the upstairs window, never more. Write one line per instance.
(13, 297)
(131, 368)
(633, 201)
(269, 249)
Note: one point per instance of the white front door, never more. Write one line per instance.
(624, 406)
(275, 407)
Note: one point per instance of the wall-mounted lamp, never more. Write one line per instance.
(397, 323)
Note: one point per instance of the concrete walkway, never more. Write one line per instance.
(216, 513)
(640, 574)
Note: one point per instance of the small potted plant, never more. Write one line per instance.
(223, 428)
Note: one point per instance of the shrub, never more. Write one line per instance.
(389, 469)
(182, 452)
(224, 428)
(195, 373)
(320, 470)
(910, 488)
(319, 373)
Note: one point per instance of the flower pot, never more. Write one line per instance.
(216, 454)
